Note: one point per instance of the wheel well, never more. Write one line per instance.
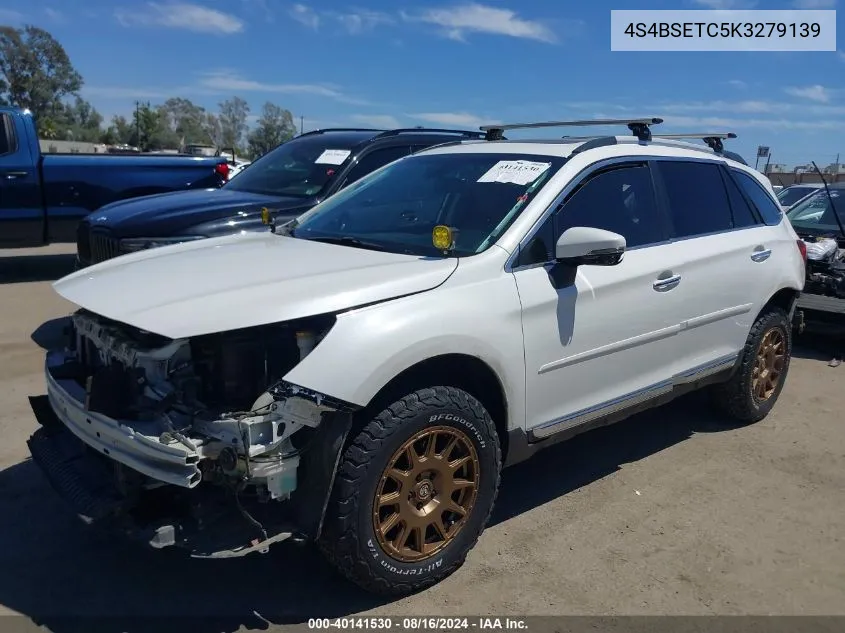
(783, 298)
(464, 372)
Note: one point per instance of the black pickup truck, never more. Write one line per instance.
(44, 196)
(287, 181)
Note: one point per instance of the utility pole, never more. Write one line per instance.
(301, 124)
(138, 122)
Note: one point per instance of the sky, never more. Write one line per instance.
(388, 63)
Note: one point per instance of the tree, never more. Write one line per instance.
(274, 127)
(120, 130)
(35, 73)
(82, 120)
(233, 127)
(189, 123)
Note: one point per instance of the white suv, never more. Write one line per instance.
(361, 376)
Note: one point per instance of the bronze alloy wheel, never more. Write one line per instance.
(426, 493)
(768, 367)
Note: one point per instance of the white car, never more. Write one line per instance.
(361, 376)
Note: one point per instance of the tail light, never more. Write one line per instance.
(222, 170)
(802, 248)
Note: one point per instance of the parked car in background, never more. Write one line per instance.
(819, 220)
(288, 181)
(359, 377)
(792, 195)
(44, 196)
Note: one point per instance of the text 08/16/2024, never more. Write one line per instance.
(746, 30)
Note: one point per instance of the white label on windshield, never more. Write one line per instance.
(333, 157)
(518, 172)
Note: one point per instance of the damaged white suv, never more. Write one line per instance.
(360, 377)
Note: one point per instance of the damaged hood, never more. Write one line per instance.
(239, 281)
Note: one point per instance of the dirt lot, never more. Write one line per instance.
(668, 513)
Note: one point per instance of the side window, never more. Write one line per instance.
(7, 131)
(743, 214)
(768, 208)
(375, 159)
(698, 202)
(619, 199)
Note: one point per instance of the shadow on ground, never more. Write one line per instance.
(27, 268)
(68, 578)
(821, 345)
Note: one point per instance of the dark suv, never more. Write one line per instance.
(288, 181)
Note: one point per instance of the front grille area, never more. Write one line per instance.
(83, 245)
(102, 246)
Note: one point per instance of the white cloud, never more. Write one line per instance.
(10, 16)
(458, 119)
(456, 21)
(181, 15)
(259, 6)
(377, 120)
(813, 93)
(355, 21)
(226, 81)
(305, 15)
(733, 124)
(54, 15)
(118, 92)
(814, 4)
(737, 83)
(726, 4)
(360, 20)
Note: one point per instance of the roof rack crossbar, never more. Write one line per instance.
(639, 127)
(712, 139)
(429, 130)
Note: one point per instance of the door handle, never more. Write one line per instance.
(11, 175)
(662, 285)
(761, 255)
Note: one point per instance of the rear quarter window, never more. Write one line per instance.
(766, 206)
(698, 200)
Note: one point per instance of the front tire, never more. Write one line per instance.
(754, 388)
(414, 490)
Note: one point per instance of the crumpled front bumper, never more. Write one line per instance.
(87, 458)
(205, 522)
(123, 441)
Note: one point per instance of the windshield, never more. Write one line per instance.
(791, 195)
(397, 207)
(299, 168)
(816, 213)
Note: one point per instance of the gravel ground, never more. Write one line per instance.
(666, 513)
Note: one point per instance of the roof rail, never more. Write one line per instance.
(639, 127)
(339, 129)
(430, 130)
(712, 139)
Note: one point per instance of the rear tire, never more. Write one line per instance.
(749, 395)
(414, 491)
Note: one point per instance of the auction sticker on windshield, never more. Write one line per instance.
(333, 157)
(518, 172)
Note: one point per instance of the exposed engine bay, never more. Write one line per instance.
(825, 266)
(216, 399)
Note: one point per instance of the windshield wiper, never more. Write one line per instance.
(830, 200)
(348, 240)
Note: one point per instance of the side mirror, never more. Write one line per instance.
(588, 246)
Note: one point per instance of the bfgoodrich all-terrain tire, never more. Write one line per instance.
(414, 490)
(764, 362)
